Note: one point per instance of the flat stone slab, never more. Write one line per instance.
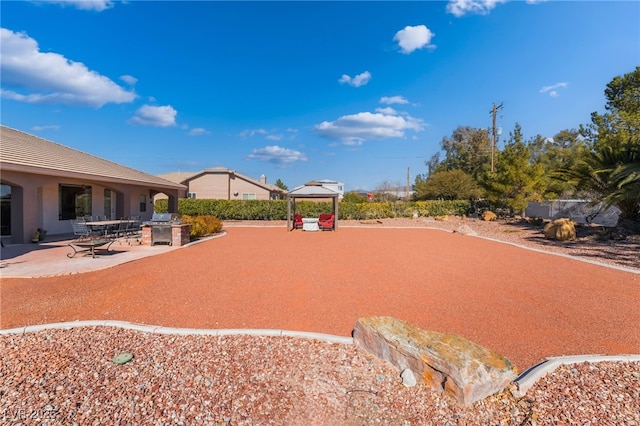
(446, 362)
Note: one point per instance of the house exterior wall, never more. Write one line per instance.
(242, 186)
(36, 202)
(223, 186)
(211, 185)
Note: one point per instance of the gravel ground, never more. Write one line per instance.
(623, 251)
(68, 377)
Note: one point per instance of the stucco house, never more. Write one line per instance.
(224, 184)
(45, 184)
(333, 185)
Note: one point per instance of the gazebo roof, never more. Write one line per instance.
(312, 191)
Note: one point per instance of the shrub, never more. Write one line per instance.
(203, 225)
(277, 209)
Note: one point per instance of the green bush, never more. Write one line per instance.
(277, 209)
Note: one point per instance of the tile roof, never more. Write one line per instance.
(178, 177)
(41, 156)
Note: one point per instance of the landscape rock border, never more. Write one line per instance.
(522, 383)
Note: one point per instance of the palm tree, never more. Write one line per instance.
(613, 175)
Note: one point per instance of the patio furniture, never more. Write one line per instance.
(310, 224)
(81, 229)
(326, 222)
(89, 246)
(297, 221)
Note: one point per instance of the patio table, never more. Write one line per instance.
(104, 226)
(310, 224)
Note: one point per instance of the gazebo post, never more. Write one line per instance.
(288, 213)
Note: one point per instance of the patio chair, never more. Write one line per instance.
(80, 229)
(297, 221)
(326, 222)
(121, 230)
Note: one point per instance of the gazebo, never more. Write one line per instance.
(311, 190)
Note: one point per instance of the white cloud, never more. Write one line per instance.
(129, 79)
(274, 137)
(413, 38)
(276, 154)
(462, 7)
(50, 78)
(252, 132)
(197, 131)
(97, 5)
(357, 81)
(552, 89)
(387, 111)
(155, 116)
(356, 128)
(535, 1)
(389, 100)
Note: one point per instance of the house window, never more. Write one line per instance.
(248, 196)
(191, 195)
(143, 203)
(74, 201)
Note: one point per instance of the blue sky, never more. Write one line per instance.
(351, 91)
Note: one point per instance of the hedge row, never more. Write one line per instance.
(277, 209)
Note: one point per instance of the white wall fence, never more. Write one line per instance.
(580, 211)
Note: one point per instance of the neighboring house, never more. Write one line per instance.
(224, 184)
(333, 185)
(45, 185)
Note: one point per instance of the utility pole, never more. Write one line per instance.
(494, 112)
(407, 192)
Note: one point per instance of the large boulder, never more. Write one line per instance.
(560, 229)
(445, 362)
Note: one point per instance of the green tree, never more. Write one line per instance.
(468, 149)
(281, 185)
(564, 151)
(446, 185)
(611, 169)
(517, 178)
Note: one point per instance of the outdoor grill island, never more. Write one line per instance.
(165, 228)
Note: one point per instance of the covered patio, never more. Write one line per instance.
(311, 190)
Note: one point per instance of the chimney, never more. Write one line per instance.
(263, 179)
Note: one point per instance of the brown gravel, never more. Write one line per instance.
(67, 376)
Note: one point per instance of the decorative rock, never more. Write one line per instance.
(466, 230)
(123, 358)
(489, 216)
(560, 229)
(445, 362)
(408, 379)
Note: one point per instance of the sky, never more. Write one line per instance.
(358, 92)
